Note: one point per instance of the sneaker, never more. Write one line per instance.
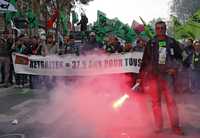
(21, 86)
(178, 131)
(17, 86)
(6, 85)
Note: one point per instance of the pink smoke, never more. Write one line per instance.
(85, 104)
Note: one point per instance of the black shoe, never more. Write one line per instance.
(5, 86)
(11, 83)
(2, 82)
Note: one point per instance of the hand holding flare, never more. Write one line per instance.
(118, 103)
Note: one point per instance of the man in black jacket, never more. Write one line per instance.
(83, 22)
(161, 61)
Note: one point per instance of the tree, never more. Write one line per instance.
(183, 9)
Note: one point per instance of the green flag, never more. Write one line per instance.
(193, 24)
(191, 29)
(148, 29)
(184, 32)
(101, 18)
(32, 19)
(117, 27)
(101, 26)
(10, 15)
(195, 17)
(64, 20)
(13, 2)
(104, 27)
(129, 34)
(176, 23)
(74, 17)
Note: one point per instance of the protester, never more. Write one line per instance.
(91, 46)
(83, 25)
(8, 40)
(113, 45)
(128, 47)
(140, 45)
(187, 52)
(5, 58)
(19, 47)
(160, 61)
(41, 44)
(51, 47)
(35, 81)
(183, 80)
(140, 78)
(69, 46)
(83, 22)
(196, 67)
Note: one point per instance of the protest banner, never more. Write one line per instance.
(72, 65)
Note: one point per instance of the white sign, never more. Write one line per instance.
(72, 65)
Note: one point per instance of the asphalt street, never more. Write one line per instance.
(38, 117)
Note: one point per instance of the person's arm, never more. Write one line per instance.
(44, 50)
(178, 56)
(57, 49)
(177, 50)
(13, 48)
(77, 50)
(38, 50)
(145, 65)
(146, 59)
(79, 23)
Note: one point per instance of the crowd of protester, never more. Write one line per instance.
(187, 78)
(48, 45)
(189, 73)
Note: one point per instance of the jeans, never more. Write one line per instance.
(20, 79)
(159, 85)
(5, 61)
(195, 80)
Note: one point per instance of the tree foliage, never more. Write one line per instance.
(184, 8)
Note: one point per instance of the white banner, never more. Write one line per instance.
(72, 65)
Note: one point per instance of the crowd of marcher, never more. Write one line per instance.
(168, 63)
(48, 45)
(189, 73)
(186, 78)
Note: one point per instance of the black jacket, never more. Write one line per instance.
(151, 55)
(83, 22)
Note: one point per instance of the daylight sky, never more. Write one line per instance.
(127, 10)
